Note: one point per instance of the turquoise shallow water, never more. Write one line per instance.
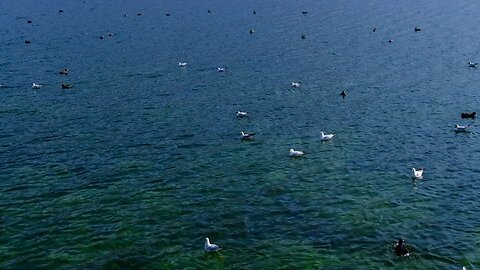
(141, 160)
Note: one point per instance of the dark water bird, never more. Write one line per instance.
(60, 10)
(102, 37)
(343, 94)
(374, 29)
(27, 41)
(254, 12)
(125, 15)
(111, 34)
(208, 11)
(417, 29)
(252, 31)
(472, 65)
(28, 21)
(167, 14)
(303, 36)
(139, 14)
(469, 114)
(66, 86)
(63, 71)
(400, 248)
(304, 12)
(390, 40)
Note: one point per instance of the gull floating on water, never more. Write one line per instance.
(295, 84)
(247, 136)
(473, 65)
(326, 137)
(295, 153)
(459, 128)
(221, 69)
(182, 64)
(417, 173)
(36, 86)
(210, 247)
(242, 114)
(66, 86)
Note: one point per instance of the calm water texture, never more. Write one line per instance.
(141, 160)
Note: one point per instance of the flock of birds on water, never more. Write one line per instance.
(400, 248)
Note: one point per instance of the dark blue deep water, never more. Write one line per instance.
(141, 160)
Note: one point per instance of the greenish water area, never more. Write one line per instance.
(142, 159)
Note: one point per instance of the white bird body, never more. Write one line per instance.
(295, 84)
(326, 137)
(182, 64)
(221, 69)
(210, 247)
(36, 86)
(470, 64)
(247, 136)
(242, 114)
(295, 153)
(459, 128)
(417, 173)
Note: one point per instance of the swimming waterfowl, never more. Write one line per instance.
(296, 84)
(102, 37)
(374, 29)
(63, 71)
(36, 86)
(326, 137)
(167, 14)
(247, 136)
(417, 29)
(400, 248)
(241, 114)
(303, 36)
(390, 40)
(252, 31)
(182, 64)
(295, 153)
(27, 41)
(254, 12)
(417, 173)
(343, 94)
(459, 128)
(139, 14)
(208, 11)
(60, 10)
(304, 12)
(221, 69)
(110, 34)
(66, 86)
(472, 65)
(209, 247)
(469, 115)
(28, 21)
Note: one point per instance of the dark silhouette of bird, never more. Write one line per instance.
(400, 248)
